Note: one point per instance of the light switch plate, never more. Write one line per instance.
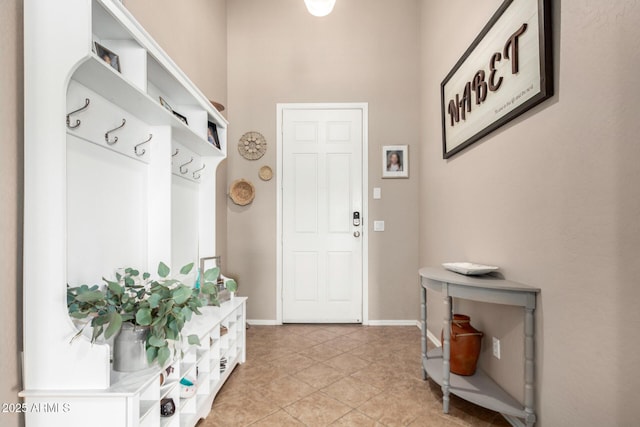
(378, 225)
(377, 193)
(496, 348)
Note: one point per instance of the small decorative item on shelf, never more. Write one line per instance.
(469, 268)
(242, 192)
(188, 388)
(265, 173)
(107, 56)
(209, 280)
(224, 285)
(182, 118)
(212, 134)
(223, 364)
(252, 145)
(167, 407)
(166, 105)
(231, 286)
(223, 293)
(217, 105)
(223, 331)
(464, 345)
(138, 301)
(129, 348)
(165, 374)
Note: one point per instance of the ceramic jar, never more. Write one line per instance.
(464, 346)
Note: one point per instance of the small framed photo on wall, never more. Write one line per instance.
(395, 161)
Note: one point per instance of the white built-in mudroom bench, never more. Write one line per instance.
(113, 178)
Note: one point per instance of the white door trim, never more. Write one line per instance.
(365, 196)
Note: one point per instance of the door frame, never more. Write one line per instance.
(364, 107)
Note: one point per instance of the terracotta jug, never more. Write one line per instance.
(464, 344)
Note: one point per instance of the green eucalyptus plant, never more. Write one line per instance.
(163, 305)
(231, 285)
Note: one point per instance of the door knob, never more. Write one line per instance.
(356, 234)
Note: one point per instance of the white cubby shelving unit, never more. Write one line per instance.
(113, 179)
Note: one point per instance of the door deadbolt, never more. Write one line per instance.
(356, 234)
(356, 219)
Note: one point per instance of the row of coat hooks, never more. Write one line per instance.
(185, 170)
(107, 136)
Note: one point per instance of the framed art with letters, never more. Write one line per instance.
(506, 71)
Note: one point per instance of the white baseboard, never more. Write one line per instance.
(391, 323)
(271, 322)
(433, 339)
(263, 322)
(431, 336)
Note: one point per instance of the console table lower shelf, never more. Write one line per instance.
(478, 388)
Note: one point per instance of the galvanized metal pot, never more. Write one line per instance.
(129, 348)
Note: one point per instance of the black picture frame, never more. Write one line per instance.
(212, 134)
(108, 56)
(182, 118)
(520, 100)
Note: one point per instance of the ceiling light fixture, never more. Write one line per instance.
(320, 7)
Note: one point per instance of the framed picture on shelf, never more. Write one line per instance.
(108, 56)
(395, 161)
(208, 263)
(182, 118)
(166, 105)
(212, 134)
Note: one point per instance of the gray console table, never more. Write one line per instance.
(479, 388)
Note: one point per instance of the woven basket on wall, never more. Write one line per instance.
(252, 145)
(242, 192)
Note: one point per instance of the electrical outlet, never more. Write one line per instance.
(496, 348)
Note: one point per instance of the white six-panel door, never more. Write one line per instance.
(322, 248)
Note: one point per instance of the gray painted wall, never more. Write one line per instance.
(11, 189)
(554, 199)
(365, 51)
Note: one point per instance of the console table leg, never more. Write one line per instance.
(446, 352)
(529, 368)
(423, 325)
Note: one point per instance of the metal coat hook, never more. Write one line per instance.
(176, 153)
(84, 107)
(141, 153)
(196, 174)
(183, 166)
(106, 135)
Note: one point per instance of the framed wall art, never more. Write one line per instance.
(506, 71)
(212, 134)
(107, 56)
(182, 118)
(395, 161)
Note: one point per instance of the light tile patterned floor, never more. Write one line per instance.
(336, 375)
